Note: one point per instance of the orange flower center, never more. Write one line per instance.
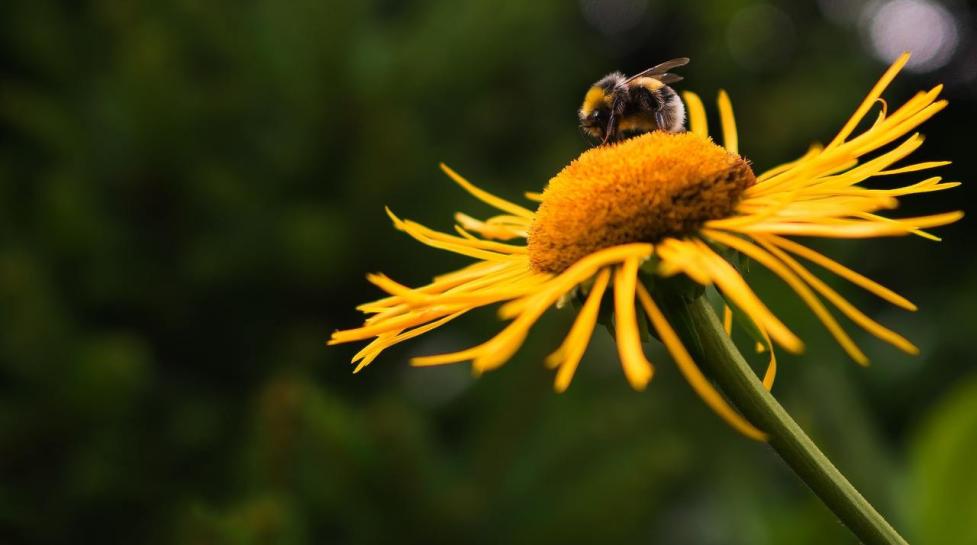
(644, 189)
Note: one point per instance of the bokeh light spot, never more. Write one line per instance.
(924, 28)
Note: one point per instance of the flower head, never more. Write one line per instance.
(623, 216)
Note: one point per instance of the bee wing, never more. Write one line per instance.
(669, 78)
(659, 69)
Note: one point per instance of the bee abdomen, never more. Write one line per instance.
(673, 111)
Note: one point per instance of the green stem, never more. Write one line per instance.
(703, 334)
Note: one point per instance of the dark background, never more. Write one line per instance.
(191, 193)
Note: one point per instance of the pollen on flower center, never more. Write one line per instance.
(645, 189)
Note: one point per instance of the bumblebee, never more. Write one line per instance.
(618, 107)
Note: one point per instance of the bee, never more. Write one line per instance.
(618, 107)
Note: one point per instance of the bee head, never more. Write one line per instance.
(595, 112)
(601, 98)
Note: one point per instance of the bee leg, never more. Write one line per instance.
(661, 121)
(611, 127)
(661, 117)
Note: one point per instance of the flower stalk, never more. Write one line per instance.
(700, 329)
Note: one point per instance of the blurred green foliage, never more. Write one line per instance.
(192, 191)
(943, 469)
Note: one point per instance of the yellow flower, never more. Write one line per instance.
(656, 206)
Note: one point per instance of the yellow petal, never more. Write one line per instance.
(730, 139)
(572, 350)
(637, 368)
(797, 285)
(485, 196)
(866, 104)
(697, 114)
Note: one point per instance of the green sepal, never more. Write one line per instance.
(605, 316)
(740, 261)
(650, 281)
(743, 263)
(650, 266)
(680, 286)
(644, 325)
